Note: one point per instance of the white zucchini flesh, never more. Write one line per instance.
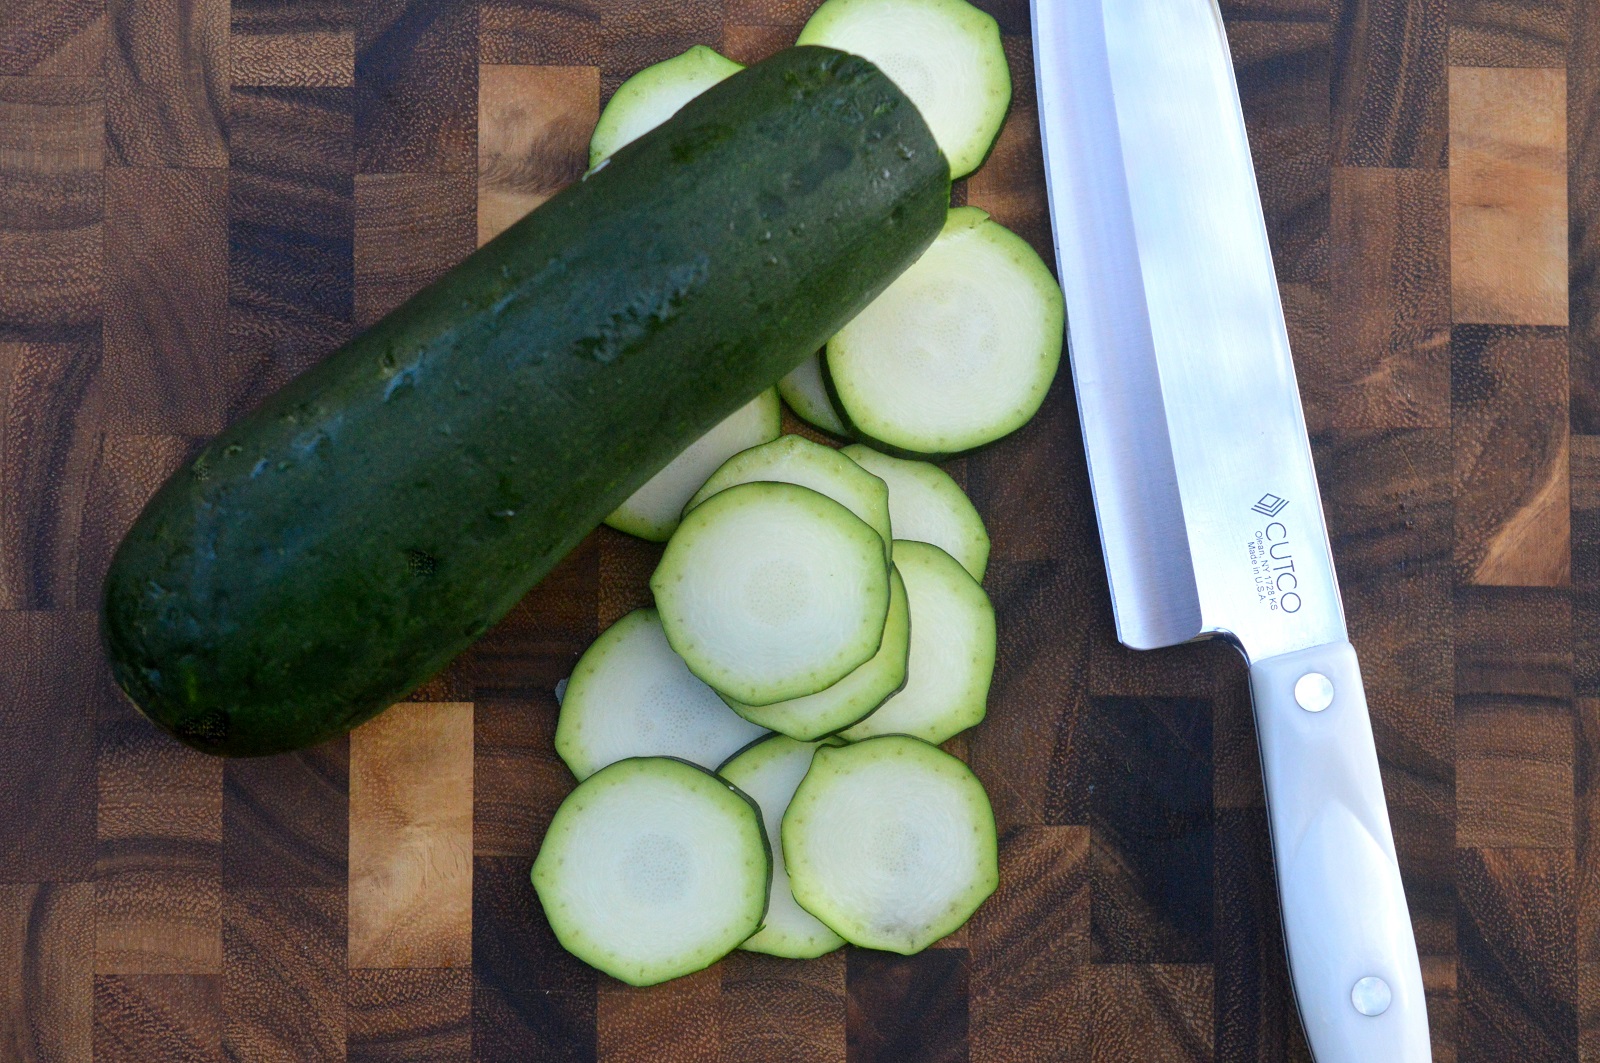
(652, 511)
(959, 350)
(655, 94)
(768, 772)
(891, 843)
(797, 460)
(926, 505)
(771, 591)
(652, 869)
(631, 696)
(855, 696)
(952, 651)
(807, 395)
(945, 55)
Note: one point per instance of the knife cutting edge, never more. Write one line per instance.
(1210, 517)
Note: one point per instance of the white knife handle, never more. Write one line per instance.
(1345, 920)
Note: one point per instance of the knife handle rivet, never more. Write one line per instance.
(1371, 996)
(1313, 692)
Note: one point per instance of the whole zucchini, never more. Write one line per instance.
(339, 545)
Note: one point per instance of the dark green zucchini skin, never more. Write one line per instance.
(339, 545)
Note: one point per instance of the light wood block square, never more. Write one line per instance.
(411, 838)
(1508, 195)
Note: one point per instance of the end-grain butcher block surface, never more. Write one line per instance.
(197, 202)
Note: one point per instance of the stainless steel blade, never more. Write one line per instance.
(1202, 472)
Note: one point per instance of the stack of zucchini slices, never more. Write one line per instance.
(758, 755)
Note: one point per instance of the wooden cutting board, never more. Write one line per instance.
(198, 202)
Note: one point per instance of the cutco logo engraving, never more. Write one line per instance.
(1270, 505)
(1272, 559)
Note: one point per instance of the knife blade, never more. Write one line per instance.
(1201, 469)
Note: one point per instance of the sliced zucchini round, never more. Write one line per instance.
(797, 460)
(807, 395)
(926, 505)
(771, 591)
(631, 696)
(655, 94)
(944, 54)
(959, 350)
(952, 651)
(768, 772)
(653, 868)
(891, 843)
(652, 511)
(856, 695)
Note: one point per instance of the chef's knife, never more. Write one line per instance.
(1209, 513)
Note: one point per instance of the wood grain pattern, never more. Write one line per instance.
(1421, 761)
(47, 764)
(674, 1022)
(1585, 524)
(285, 820)
(409, 229)
(167, 82)
(125, 473)
(325, 58)
(166, 313)
(1529, 33)
(1390, 98)
(1516, 926)
(1586, 799)
(622, 576)
(415, 86)
(52, 141)
(1508, 388)
(1518, 972)
(1508, 196)
(537, 644)
(1583, 214)
(1391, 513)
(1389, 292)
(291, 228)
(54, 409)
(1441, 989)
(1512, 643)
(534, 125)
(1513, 778)
(1255, 1019)
(1149, 1011)
(517, 778)
(1028, 943)
(1150, 855)
(58, 37)
(292, 43)
(750, 44)
(198, 199)
(632, 36)
(1588, 1011)
(158, 867)
(409, 1016)
(176, 1017)
(411, 838)
(782, 1009)
(1284, 75)
(1030, 731)
(907, 1007)
(562, 33)
(283, 979)
(47, 973)
(530, 997)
